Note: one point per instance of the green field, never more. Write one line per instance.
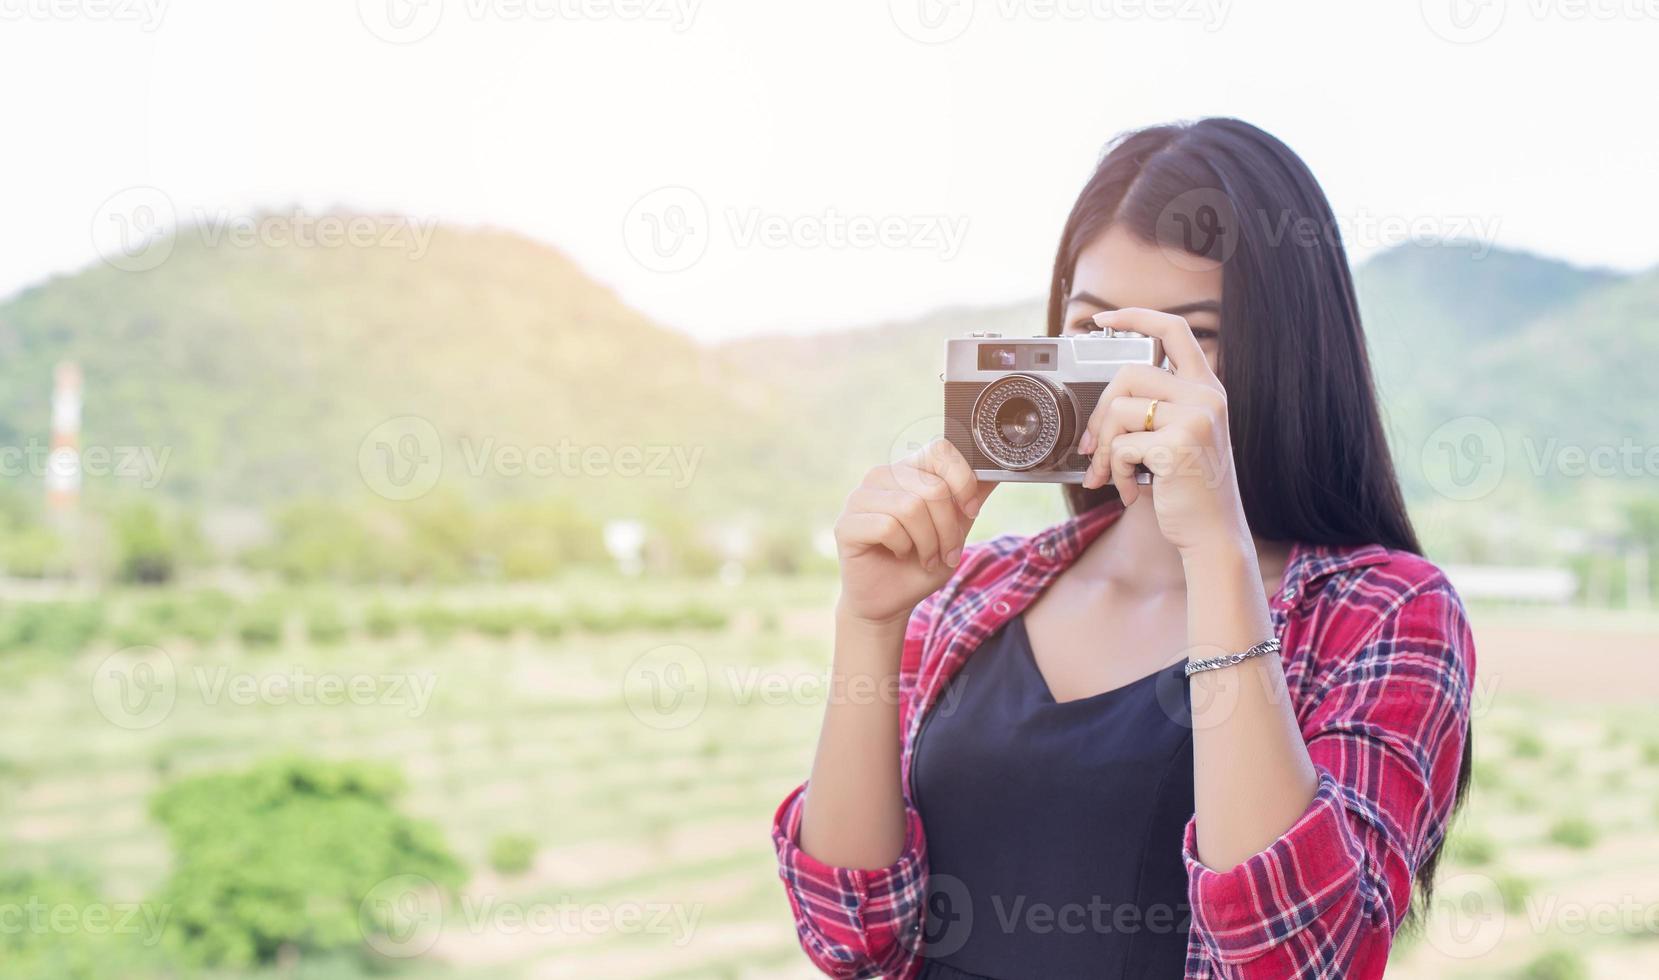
(644, 765)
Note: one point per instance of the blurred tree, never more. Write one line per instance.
(28, 548)
(512, 854)
(149, 548)
(533, 539)
(439, 538)
(39, 941)
(314, 540)
(286, 857)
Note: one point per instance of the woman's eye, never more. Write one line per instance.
(1204, 335)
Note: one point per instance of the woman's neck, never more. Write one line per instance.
(1134, 555)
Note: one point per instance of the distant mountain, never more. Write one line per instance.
(1539, 347)
(1582, 373)
(1434, 312)
(263, 369)
(1463, 294)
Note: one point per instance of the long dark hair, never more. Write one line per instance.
(1308, 444)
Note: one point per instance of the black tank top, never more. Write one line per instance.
(1053, 829)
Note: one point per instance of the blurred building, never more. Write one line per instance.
(1513, 584)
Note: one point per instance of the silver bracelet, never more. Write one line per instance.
(1233, 659)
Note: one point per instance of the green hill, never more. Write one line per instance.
(262, 370)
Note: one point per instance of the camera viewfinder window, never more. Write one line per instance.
(1017, 357)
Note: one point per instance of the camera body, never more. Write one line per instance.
(1016, 406)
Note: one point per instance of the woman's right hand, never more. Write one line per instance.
(901, 532)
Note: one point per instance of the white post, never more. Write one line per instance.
(63, 466)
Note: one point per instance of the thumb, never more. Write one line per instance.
(977, 501)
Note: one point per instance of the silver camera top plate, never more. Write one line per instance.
(1078, 357)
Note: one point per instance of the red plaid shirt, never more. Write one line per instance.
(1379, 662)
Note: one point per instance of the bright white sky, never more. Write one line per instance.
(1532, 126)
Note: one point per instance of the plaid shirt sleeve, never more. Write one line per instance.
(1385, 728)
(852, 922)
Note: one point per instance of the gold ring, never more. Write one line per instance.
(1151, 410)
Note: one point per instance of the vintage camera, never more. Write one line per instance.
(1016, 406)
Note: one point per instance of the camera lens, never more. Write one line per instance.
(1021, 421)
(1018, 422)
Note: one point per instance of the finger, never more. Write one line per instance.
(1146, 383)
(1128, 452)
(1128, 413)
(1124, 413)
(953, 557)
(981, 495)
(909, 510)
(943, 459)
(1124, 417)
(1180, 346)
(1151, 382)
(856, 532)
(948, 522)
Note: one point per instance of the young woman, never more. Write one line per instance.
(1212, 726)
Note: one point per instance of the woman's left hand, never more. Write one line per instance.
(1187, 449)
